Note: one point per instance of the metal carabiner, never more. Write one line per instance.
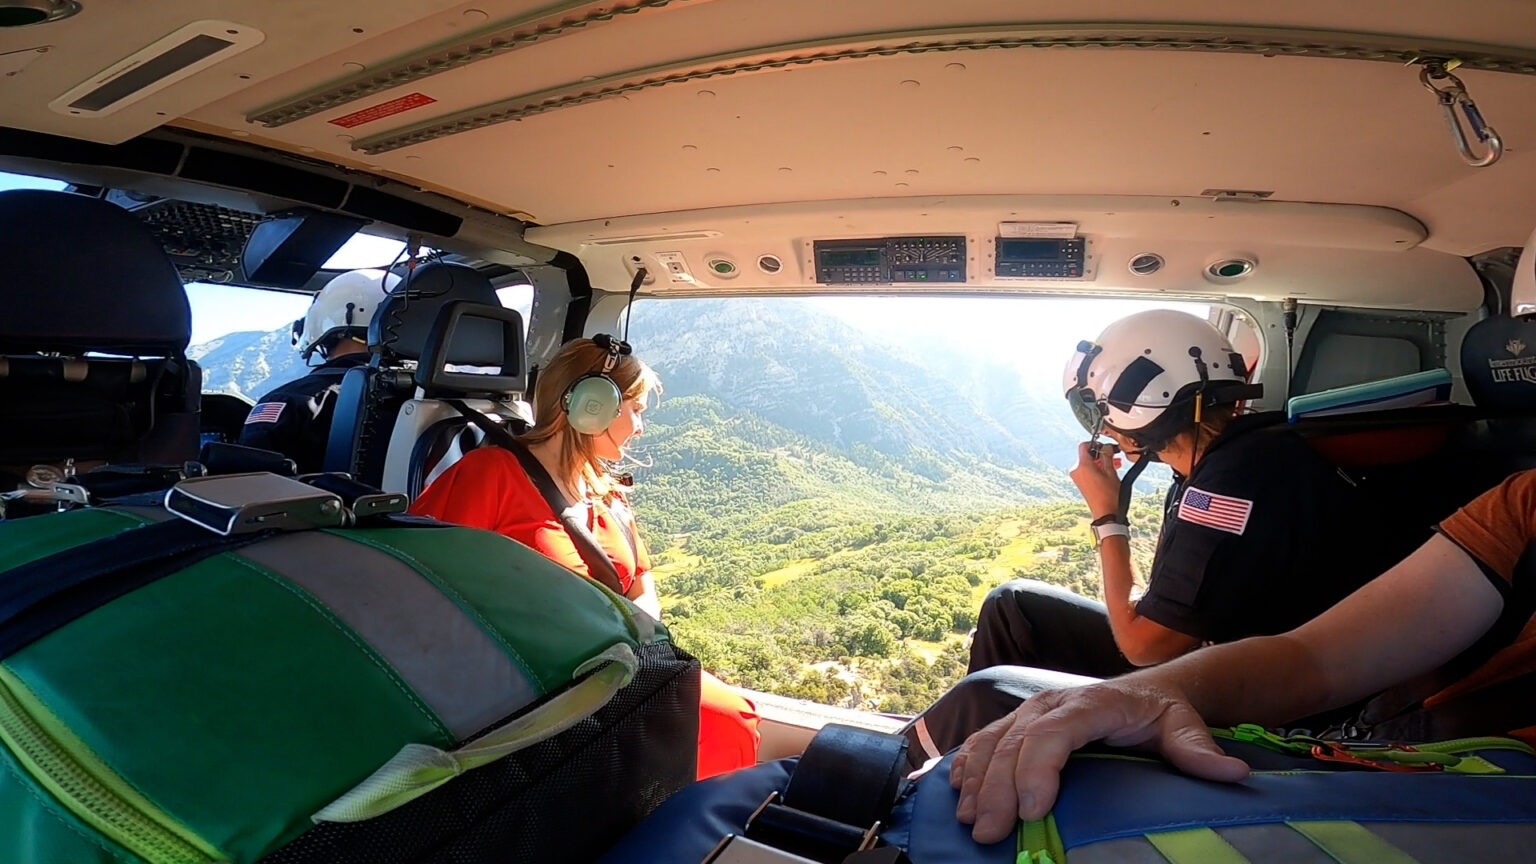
(1332, 752)
(1452, 96)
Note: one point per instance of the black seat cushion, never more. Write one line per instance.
(85, 278)
(85, 275)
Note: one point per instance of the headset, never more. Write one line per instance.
(594, 400)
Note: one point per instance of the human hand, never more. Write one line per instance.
(1011, 770)
(1097, 479)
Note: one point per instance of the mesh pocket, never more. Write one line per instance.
(564, 800)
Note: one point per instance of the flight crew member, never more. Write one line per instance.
(1259, 534)
(1450, 626)
(588, 401)
(295, 418)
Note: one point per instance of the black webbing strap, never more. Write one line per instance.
(43, 595)
(846, 782)
(599, 565)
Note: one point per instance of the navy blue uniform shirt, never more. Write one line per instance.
(1261, 537)
(295, 419)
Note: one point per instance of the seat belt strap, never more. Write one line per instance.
(599, 565)
(838, 796)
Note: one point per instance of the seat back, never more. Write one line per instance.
(372, 397)
(93, 339)
(430, 434)
(1498, 360)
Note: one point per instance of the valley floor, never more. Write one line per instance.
(864, 610)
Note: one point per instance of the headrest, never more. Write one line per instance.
(85, 275)
(1522, 295)
(400, 327)
(473, 334)
(1498, 361)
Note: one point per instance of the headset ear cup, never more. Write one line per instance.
(592, 403)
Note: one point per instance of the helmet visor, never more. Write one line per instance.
(1088, 412)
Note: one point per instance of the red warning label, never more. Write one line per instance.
(382, 110)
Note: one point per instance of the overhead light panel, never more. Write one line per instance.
(178, 56)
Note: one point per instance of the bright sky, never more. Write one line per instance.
(1035, 335)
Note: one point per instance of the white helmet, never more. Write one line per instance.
(1148, 363)
(347, 302)
(1522, 297)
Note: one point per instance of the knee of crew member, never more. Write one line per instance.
(974, 701)
(1008, 593)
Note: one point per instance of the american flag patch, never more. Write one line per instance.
(1222, 512)
(266, 412)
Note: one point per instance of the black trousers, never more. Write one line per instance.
(977, 700)
(1030, 637)
(1029, 623)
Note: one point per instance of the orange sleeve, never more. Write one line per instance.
(487, 489)
(1498, 525)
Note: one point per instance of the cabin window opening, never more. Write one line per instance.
(832, 485)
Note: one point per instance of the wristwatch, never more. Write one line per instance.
(1108, 526)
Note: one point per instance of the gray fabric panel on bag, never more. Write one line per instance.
(1126, 850)
(1446, 842)
(437, 648)
(1276, 843)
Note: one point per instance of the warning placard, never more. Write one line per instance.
(382, 110)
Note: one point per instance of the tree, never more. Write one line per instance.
(866, 636)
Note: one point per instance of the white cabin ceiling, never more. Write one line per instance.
(1023, 121)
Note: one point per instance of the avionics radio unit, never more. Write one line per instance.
(884, 260)
(1040, 258)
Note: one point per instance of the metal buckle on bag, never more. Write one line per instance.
(360, 500)
(245, 503)
(740, 849)
(736, 849)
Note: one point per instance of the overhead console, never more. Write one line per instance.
(887, 260)
(1165, 248)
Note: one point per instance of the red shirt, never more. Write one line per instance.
(488, 489)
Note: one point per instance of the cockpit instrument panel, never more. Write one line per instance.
(890, 260)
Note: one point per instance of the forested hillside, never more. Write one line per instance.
(789, 567)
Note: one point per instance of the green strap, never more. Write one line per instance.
(1039, 843)
(1195, 846)
(1255, 734)
(418, 769)
(1467, 745)
(1351, 843)
(1453, 756)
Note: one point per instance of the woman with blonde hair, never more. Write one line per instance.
(589, 403)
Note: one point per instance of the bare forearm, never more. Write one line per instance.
(1142, 640)
(1118, 578)
(1267, 680)
(644, 596)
